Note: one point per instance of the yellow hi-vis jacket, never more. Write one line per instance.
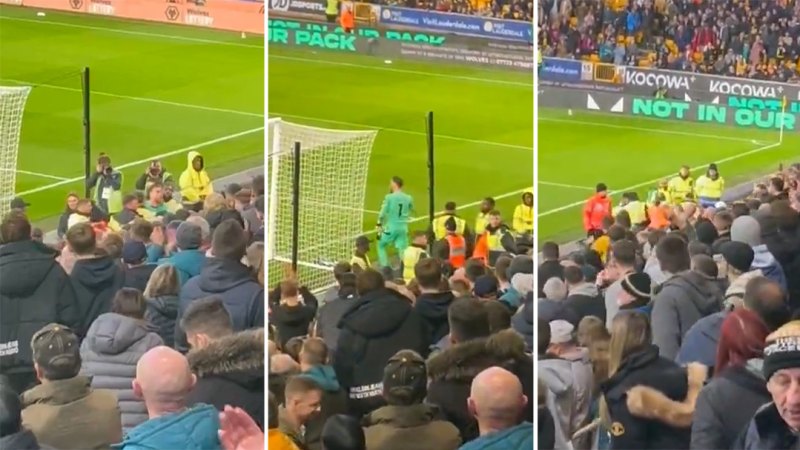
(439, 230)
(708, 188)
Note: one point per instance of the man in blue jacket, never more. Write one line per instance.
(497, 402)
(224, 276)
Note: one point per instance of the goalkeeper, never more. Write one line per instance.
(393, 221)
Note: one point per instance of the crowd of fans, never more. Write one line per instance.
(676, 326)
(142, 326)
(500, 9)
(756, 39)
(436, 356)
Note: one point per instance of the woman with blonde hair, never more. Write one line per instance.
(648, 401)
(161, 295)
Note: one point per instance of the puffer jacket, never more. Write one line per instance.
(110, 352)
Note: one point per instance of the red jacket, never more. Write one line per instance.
(596, 209)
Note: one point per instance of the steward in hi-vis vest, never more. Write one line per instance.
(453, 246)
(360, 260)
(413, 253)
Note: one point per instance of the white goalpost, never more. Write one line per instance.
(12, 105)
(333, 179)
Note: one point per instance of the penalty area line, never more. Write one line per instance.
(35, 174)
(564, 185)
(146, 160)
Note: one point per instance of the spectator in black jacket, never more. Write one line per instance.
(583, 298)
(332, 311)
(225, 276)
(70, 208)
(34, 291)
(432, 303)
(550, 267)
(314, 364)
(137, 271)
(452, 370)
(378, 325)
(161, 294)
(293, 314)
(95, 276)
(13, 435)
(229, 366)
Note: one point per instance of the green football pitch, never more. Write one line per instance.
(577, 152)
(483, 123)
(158, 91)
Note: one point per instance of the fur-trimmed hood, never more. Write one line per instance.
(238, 352)
(463, 361)
(649, 403)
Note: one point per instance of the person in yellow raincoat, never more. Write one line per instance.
(194, 182)
(523, 214)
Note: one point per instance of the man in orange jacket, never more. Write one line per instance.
(348, 20)
(597, 207)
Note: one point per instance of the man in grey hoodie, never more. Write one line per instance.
(566, 371)
(747, 229)
(684, 298)
(621, 262)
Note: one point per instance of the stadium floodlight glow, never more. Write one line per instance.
(332, 189)
(12, 105)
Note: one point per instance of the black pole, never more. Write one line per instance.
(87, 132)
(295, 206)
(431, 202)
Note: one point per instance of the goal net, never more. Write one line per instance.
(333, 180)
(12, 104)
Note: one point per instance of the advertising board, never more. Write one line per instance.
(770, 117)
(233, 15)
(316, 7)
(486, 27)
(392, 44)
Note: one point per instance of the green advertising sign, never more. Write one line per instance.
(739, 113)
(317, 35)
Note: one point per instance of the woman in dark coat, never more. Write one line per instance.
(726, 405)
(161, 295)
(648, 401)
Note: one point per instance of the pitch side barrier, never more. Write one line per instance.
(231, 15)
(687, 86)
(754, 113)
(412, 19)
(392, 44)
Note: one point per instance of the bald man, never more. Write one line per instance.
(163, 380)
(497, 403)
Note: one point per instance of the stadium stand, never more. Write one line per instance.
(665, 328)
(744, 39)
(502, 9)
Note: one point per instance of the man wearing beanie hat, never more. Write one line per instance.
(709, 187)
(407, 421)
(137, 271)
(776, 425)
(738, 258)
(189, 258)
(706, 232)
(567, 372)
(746, 229)
(636, 292)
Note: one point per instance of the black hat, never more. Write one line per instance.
(637, 284)
(134, 252)
(782, 350)
(601, 187)
(450, 224)
(738, 255)
(405, 378)
(713, 166)
(19, 203)
(706, 232)
(485, 286)
(56, 350)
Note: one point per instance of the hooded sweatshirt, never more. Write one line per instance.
(432, 307)
(291, 320)
(194, 185)
(682, 300)
(96, 281)
(519, 437)
(522, 322)
(569, 378)
(585, 300)
(747, 229)
(334, 401)
(192, 429)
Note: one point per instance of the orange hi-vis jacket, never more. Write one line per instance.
(348, 20)
(458, 250)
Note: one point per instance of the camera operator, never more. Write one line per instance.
(155, 173)
(107, 185)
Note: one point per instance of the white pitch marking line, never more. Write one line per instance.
(649, 130)
(138, 99)
(397, 130)
(132, 33)
(564, 185)
(655, 180)
(406, 71)
(35, 174)
(146, 160)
